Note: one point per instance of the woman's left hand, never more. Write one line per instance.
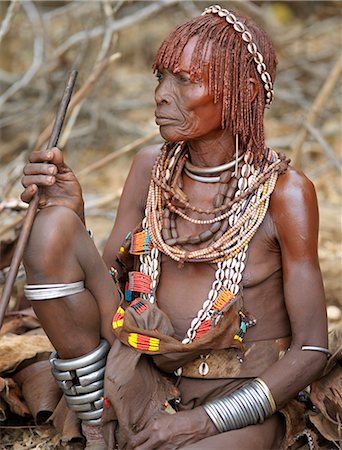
(170, 432)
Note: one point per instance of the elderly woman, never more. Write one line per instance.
(220, 313)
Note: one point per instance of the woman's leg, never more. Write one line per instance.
(60, 251)
(265, 436)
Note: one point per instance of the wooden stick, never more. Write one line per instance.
(80, 95)
(32, 209)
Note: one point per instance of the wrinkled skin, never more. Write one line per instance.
(282, 282)
(64, 188)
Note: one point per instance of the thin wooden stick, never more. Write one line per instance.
(32, 209)
(80, 94)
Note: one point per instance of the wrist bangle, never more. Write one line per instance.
(268, 393)
(249, 405)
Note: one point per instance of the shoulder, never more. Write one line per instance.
(292, 190)
(145, 158)
(138, 180)
(293, 206)
(292, 185)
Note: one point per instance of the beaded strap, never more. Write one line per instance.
(239, 27)
(149, 265)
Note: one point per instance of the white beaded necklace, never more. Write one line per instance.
(228, 275)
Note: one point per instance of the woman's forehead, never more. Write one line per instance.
(185, 60)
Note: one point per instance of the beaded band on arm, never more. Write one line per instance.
(251, 404)
(252, 48)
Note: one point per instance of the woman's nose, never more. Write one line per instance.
(162, 94)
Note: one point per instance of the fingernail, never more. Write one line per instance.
(50, 179)
(49, 155)
(51, 170)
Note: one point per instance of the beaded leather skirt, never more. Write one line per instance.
(131, 403)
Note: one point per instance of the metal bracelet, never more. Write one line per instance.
(81, 380)
(268, 393)
(52, 291)
(249, 405)
(317, 349)
(215, 417)
(259, 394)
(82, 361)
(254, 406)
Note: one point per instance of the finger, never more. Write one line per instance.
(140, 438)
(39, 180)
(53, 155)
(40, 169)
(28, 193)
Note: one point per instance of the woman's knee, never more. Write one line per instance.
(51, 245)
(266, 436)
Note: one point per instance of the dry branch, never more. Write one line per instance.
(6, 228)
(80, 95)
(117, 153)
(316, 107)
(115, 26)
(10, 13)
(38, 51)
(325, 146)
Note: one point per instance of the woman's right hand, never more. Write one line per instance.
(59, 185)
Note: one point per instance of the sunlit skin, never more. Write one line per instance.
(282, 281)
(186, 111)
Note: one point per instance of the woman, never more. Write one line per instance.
(219, 273)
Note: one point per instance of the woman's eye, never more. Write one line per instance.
(159, 76)
(183, 78)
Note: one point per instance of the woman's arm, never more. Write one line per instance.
(294, 212)
(131, 208)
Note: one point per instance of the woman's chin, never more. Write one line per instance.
(169, 134)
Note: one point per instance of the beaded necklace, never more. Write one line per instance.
(228, 248)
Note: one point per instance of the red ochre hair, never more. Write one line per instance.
(230, 68)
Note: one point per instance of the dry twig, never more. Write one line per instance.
(316, 107)
(115, 26)
(38, 51)
(80, 95)
(117, 153)
(325, 146)
(10, 13)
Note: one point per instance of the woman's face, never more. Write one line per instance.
(184, 109)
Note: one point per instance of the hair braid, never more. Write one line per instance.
(231, 67)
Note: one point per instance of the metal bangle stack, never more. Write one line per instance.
(251, 404)
(81, 380)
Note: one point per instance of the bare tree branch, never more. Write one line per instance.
(79, 95)
(10, 13)
(325, 146)
(117, 153)
(38, 51)
(115, 26)
(317, 105)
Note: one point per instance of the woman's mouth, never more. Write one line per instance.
(162, 120)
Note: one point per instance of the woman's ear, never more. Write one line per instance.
(253, 87)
